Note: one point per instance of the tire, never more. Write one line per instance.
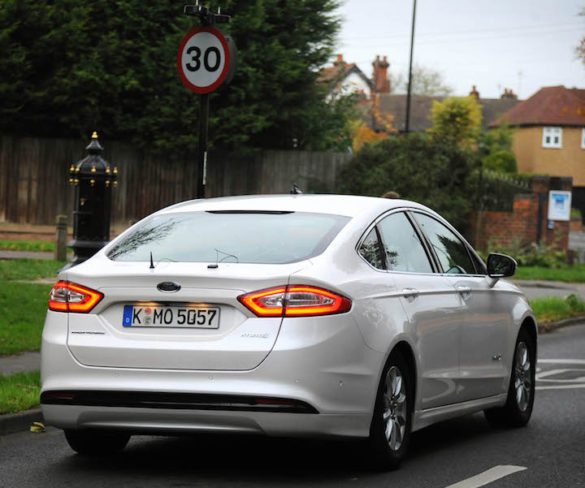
(392, 419)
(520, 401)
(96, 443)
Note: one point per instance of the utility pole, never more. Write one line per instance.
(409, 89)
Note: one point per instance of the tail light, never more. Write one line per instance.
(295, 301)
(71, 297)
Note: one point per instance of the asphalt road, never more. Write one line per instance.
(550, 452)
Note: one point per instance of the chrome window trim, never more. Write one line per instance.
(466, 244)
(423, 242)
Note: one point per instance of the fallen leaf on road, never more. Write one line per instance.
(37, 427)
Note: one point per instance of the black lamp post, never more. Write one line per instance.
(93, 178)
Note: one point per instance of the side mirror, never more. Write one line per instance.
(500, 266)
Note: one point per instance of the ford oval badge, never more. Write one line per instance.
(168, 286)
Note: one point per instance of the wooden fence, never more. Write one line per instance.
(34, 185)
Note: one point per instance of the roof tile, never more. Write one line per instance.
(552, 105)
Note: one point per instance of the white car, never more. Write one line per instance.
(288, 315)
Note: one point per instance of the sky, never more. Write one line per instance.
(493, 44)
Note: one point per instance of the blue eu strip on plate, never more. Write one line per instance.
(127, 321)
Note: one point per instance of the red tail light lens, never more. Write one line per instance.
(71, 297)
(295, 301)
(265, 303)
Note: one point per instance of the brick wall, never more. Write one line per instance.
(527, 223)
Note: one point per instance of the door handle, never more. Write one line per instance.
(410, 293)
(464, 291)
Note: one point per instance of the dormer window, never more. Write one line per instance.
(552, 137)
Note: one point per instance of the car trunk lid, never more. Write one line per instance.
(233, 339)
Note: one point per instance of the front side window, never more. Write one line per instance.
(231, 237)
(402, 246)
(552, 137)
(451, 251)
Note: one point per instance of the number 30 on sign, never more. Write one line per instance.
(203, 59)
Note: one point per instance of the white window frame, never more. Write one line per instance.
(583, 138)
(552, 137)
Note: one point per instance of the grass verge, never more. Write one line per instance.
(553, 309)
(569, 274)
(28, 269)
(19, 392)
(23, 306)
(27, 245)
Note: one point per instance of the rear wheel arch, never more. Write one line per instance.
(408, 354)
(393, 410)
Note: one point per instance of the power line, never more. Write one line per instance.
(457, 39)
(515, 29)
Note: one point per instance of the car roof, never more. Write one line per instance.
(346, 205)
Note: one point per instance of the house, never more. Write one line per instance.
(344, 79)
(549, 136)
(421, 105)
(384, 111)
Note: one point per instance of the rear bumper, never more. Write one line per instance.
(161, 421)
(325, 367)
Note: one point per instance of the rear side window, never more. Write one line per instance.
(404, 250)
(234, 237)
(371, 250)
(451, 251)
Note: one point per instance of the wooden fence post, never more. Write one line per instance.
(61, 244)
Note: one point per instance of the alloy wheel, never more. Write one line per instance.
(523, 376)
(395, 408)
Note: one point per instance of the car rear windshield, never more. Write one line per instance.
(234, 237)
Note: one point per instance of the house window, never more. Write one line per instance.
(552, 137)
(582, 138)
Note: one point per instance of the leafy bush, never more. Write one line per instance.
(419, 167)
(501, 160)
(539, 255)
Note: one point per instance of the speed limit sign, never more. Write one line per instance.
(203, 59)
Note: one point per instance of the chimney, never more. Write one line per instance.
(339, 60)
(380, 75)
(474, 93)
(509, 94)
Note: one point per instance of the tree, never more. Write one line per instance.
(457, 120)
(71, 67)
(425, 81)
(419, 167)
(362, 134)
(495, 147)
(580, 49)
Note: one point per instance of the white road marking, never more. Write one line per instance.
(545, 376)
(561, 361)
(488, 476)
(551, 372)
(560, 387)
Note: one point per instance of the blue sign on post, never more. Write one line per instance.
(559, 205)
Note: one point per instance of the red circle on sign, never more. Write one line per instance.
(226, 66)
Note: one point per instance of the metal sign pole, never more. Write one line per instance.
(200, 72)
(202, 145)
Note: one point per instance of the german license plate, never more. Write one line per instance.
(171, 316)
